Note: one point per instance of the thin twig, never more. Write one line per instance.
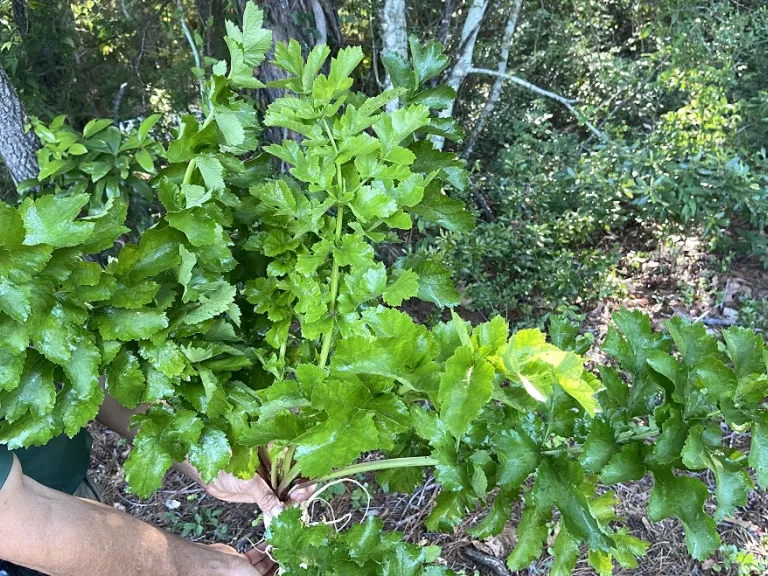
(567, 102)
(191, 41)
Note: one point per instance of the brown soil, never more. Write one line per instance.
(681, 281)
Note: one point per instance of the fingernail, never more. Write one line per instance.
(276, 510)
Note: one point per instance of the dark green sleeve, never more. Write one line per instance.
(6, 463)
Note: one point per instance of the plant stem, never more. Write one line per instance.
(621, 440)
(328, 336)
(190, 170)
(274, 472)
(288, 464)
(289, 477)
(420, 461)
(325, 351)
(375, 466)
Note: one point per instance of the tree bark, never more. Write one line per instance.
(17, 147)
(445, 23)
(394, 30)
(498, 84)
(463, 65)
(278, 18)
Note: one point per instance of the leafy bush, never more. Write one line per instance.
(554, 239)
(258, 325)
(682, 100)
(101, 162)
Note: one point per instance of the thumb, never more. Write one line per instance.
(265, 498)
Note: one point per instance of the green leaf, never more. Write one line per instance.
(557, 484)
(212, 172)
(428, 60)
(191, 139)
(732, 481)
(198, 224)
(599, 447)
(51, 220)
(669, 444)
(466, 387)
(35, 392)
(334, 444)
(145, 161)
(12, 225)
(95, 126)
(758, 450)
(532, 534)
(83, 370)
(493, 523)
(625, 466)
(399, 70)
(393, 129)
(566, 552)
(745, 348)
(440, 209)
(146, 126)
(211, 305)
(518, 457)
(256, 41)
(77, 149)
(11, 369)
(166, 357)
(125, 379)
(633, 342)
(210, 454)
(406, 286)
(684, 498)
(435, 284)
(692, 340)
(146, 466)
(126, 325)
(716, 378)
(373, 202)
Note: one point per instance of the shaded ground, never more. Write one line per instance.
(679, 280)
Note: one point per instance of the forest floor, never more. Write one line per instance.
(682, 280)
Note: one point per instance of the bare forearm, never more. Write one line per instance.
(67, 536)
(118, 418)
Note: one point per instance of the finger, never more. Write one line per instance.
(302, 494)
(266, 499)
(255, 555)
(270, 572)
(264, 566)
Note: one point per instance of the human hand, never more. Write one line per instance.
(229, 488)
(255, 562)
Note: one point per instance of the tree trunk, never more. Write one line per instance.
(278, 17)
(463, 65)
(498, 84)
(17, 148)
(394, 29)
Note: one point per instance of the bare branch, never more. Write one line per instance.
(493, 98)
(567, 102)
(445, 23)
(191, 40)
(118, 102)
(463, 64)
